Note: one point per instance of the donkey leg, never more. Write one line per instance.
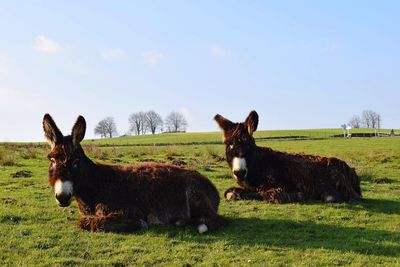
(111, 223)
(203, 214)
(235, 193)
(341, 183)
(279, 196)
(332, 189)
(332, 196)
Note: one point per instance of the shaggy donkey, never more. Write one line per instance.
(127, 198)
(280, 177)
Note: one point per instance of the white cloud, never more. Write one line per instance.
(153, 57)
(112, 53)
(46, 45)
(218, 51)
(6, 65)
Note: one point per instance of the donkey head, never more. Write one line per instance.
(240, 144)
(65, 158)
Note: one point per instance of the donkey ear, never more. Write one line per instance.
(78, 131)
(225, 124)
(51, 132)
(251, 122)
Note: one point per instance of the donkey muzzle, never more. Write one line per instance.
(63, 199)
(239, 168)
(63, 192)
(240, 174)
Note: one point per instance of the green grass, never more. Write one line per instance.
(35, 231)
(215, 137)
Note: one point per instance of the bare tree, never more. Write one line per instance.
(100, 130)
(371, 119)
(375, 120)
(106, 128)
(153, 121)
(138, 123)
(366, 118)
(175, 122)
(355, 122)
(379, 121)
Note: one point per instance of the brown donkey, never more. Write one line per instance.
(127, 198)
(280, 177)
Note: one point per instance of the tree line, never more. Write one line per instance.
(144, 122)
(367, 119)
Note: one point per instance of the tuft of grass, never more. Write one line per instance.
(366, 173)
(7, 158)
(29, 152)
(215, 154)
(98, 153)
(172, 151)
(10, 219)
(22, 173)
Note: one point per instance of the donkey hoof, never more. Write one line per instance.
(202, 228)
(180, 223)
(232, 196)
(143, 225)
(329, 199)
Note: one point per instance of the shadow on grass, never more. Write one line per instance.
(273, 233)
(370, 177)
(376, 205)
(366, 204)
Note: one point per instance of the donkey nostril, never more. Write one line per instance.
(63, 198)
(240, 173)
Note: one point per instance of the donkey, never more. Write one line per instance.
(279, 177)
(114, 198)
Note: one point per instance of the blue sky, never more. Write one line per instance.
(300, 64)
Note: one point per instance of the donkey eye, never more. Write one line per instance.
(75, 164)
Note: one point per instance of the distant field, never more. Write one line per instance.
(216, 137)
(36, 232)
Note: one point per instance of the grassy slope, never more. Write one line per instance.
(34, 231)
(216, 136)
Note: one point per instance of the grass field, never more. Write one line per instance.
(215, 137)
(35, 231)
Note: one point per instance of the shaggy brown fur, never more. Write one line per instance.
(127, 198)
(280, 177)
